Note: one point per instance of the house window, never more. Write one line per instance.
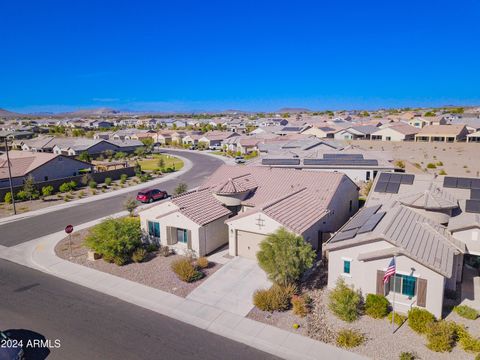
(346, 266)
(368, 175)
(182, 236)
(404, 284)
(154, 229)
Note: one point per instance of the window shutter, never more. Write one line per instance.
(171, 235)
(421, 292)
(380, 285)
(189, 239)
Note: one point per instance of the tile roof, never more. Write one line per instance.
(441, 130)
(237, 184)
(23, 162)
(404, 129)
(200, 206)
(432, 199)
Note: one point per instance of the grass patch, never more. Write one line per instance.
(466, 312)
(153, 164)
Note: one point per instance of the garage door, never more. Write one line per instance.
(248, 244)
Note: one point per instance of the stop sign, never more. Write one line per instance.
(69, 229)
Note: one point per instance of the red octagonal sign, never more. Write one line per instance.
(69, 229)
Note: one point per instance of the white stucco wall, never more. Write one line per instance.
(387, 132)
(363, 275)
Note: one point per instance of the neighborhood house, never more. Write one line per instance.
(240, 206)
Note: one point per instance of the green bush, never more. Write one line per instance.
(442, 172)
(466, 340)
(22, 195)
(8, 198)
(285, 256)
(47, 190)
(300, 305)
(139, 255)
(441, 336)
(92, 184)
(466, 312)
(123, 178)
(121, 260)
(108, 181)
(73, 185)
(115, 238)
(431, 166)
(376, 306)
(420, 320)
(399, 318)
(348, 338)
(185, 270)
(345, 302)
(151, 247)
(407, 355)
(65, 187)
(277, 298)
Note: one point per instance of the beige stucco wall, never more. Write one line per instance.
(394, 135)
(471, 238)
(363, 275)
(213, 235)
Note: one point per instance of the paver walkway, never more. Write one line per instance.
(231, 288)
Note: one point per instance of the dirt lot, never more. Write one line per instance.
(154, 272)
(459, 159)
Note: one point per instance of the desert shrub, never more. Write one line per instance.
(139, 255)
(399, 318)
(185, 270)
(123, 178)
(376, 306)
(276, 298)
(420, 320)
(180, 189)
(115, 238)
(466, 340)
(400, 164)
(22, 195)
(92, 184)
(151, 247)
(348, 338)
(65, 187)
(442, 172)
(407, 355)
(8, 198)
(47, 190)
(439, 163)
(130, 205)
(72, 184)
(120, 260)
(345, 302)
(202, 262)
(81, 194)
(300, 305)
(108, 181)
(466, 312)
(285, 256)
(431, 166)
(108, 258)
(441, 336)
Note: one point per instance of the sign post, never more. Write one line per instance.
(69, 230)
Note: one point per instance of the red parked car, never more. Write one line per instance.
(148, 196)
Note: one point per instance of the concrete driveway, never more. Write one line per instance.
(231, 288)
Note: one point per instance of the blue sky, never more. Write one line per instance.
(249, 55)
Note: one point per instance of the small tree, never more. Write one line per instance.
(29, 188)
(85, 156)
(86, 179)
(161, 163)
(130, 205)
(345, 302)
(8, 198)
(180, 189)
(108, 181)
(285, 256)
(47, 190)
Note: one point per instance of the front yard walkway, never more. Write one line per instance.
(232, 286)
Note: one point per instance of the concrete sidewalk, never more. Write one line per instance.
(187, 166)
(39, 254)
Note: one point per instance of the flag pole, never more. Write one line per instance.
(394, 290)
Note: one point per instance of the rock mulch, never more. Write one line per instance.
(154, 272)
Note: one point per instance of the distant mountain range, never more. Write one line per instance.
(5, 114)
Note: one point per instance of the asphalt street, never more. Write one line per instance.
(20, 231)
(91, 325)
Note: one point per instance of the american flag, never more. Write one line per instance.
(390, 271)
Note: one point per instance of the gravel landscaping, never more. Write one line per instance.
(321, 324)
(154, 272)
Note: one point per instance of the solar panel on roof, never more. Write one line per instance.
(464, 183)
(450, 182)
(472, 206)
(475, 184)
(345, 235)
(381, 186)
(371, 223)
(280, 161)
(395, 178)
(361, 217)
(475, 194)
(344, 156)
(392, 188)
(407, 179)
(384, 177)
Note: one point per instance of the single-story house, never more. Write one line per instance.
(442, 133)
(240, 205)
(474, 137)
(321, 132)
(76, 146)
(355, 132)
(41, 166)
(400, 132)
(216, 138)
